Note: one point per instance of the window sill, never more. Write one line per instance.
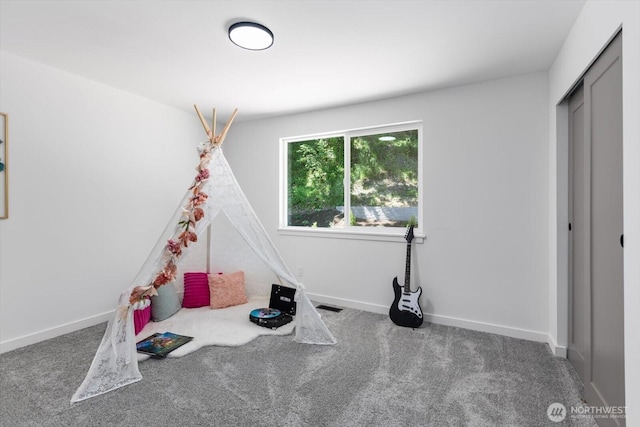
(381, 236)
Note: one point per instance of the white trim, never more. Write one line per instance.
(557, 350)
(491, 328)
(386, 235)
(15, 343)
(360, 131)
(341, 302)
(507, 331)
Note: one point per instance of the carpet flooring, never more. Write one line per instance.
(378, 374)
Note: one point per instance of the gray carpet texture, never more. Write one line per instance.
(378, 374)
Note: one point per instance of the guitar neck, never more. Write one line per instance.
(407, 270)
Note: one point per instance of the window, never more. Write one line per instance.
(363, 181)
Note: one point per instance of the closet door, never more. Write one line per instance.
(579, 211)
(597, 299)
(603, 102)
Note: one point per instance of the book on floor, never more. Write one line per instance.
(160, 344)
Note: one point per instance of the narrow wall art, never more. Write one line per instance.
(4, 167)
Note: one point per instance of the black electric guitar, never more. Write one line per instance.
(405, 310)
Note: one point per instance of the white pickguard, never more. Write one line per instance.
(409, 302)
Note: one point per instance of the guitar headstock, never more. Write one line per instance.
(408, 236)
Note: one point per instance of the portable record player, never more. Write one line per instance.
(281, 308)
(269, 317)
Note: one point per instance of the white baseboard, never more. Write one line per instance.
(36, 337)
(557, 350)
(339, 302)
(451, 321)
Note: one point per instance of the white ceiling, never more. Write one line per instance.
(325, 54)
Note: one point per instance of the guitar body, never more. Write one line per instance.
(405, 309)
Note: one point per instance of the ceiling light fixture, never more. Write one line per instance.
(250, 35)
(387, 138)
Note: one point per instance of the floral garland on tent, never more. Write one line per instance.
(185, 231)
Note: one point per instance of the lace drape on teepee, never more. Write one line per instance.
(115, 363)
(228, 197)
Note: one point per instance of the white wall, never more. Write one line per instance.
(95, 173)
(596, 25)
(484, 264)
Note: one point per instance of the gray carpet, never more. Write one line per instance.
(379, 374)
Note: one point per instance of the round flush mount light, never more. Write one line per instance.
(250, 35)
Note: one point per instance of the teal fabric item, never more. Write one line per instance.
(165, 304)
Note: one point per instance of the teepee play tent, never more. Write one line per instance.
(214, 191)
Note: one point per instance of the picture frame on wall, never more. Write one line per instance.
(4, 166)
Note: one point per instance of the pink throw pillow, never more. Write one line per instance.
(196, 290)
(141, 318)
(227, 289)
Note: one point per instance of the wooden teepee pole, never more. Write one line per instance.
(223, 135)
(203, 121)
(215, 139)
(213, 122)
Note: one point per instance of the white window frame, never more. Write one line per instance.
(349, 231)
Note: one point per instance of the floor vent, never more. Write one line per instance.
(327, 307)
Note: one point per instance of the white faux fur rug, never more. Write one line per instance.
(229, 327)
